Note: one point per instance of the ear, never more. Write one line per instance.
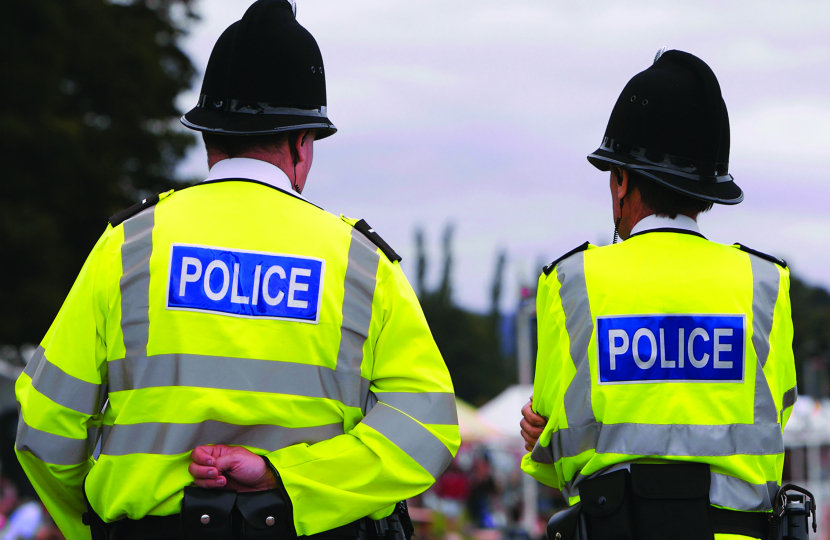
(622, 183)
(299, 145)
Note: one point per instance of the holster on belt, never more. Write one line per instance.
(207, 514)
(265, 515)
(607, 505)
(672, 501)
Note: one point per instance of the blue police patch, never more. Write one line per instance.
(671, 348)
(245, 283)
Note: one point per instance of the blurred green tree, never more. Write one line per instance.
(87, 127)
(468, 341)
(811, 337)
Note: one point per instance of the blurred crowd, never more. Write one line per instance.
(22, 516)
(480, 497)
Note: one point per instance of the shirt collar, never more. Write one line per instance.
(252, 169)
(681, 222)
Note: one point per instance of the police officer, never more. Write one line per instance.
(665, 371)
(252, 366)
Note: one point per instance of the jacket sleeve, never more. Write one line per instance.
(409, 433)
(60, 395)
(779, 368)
(554, 372)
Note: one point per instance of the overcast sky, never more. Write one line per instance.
(481, 113)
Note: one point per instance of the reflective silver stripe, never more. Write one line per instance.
(574, 295)
(62, 388)
(542, 454)
(765, 285)
(227, 373)
(663, 440)
(359, 291)
(425, 407)
(674, 439)
(579, 325)
(38, 357)
(789, 399)
(173, 439)
(50, 448)
(737, 494)
(411, 437)
(135, 281)
(765, 411)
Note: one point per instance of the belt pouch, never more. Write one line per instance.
(207, 513)
(265, 515)
(672, 501)
(607, 506)
(563, 524)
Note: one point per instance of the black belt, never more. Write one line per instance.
(397, 526)
(170, 528)
(754, 524)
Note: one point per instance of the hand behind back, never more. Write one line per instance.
(221, 466)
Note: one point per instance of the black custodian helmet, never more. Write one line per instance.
(265, 75)
(670, 125)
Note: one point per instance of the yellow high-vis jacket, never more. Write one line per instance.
(666, 347)
(234, 313)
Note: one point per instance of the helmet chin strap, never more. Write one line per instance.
(618, 175)
(296, 184)
(617, 222)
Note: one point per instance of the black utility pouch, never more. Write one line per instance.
(672, 501)
(606, 505)
(265, 515)
(207, 514)
(563, 525)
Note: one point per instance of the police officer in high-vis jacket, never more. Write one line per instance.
(665, 366)
(251, 365)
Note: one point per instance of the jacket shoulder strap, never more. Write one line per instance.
(373, 237)
(549, 268)
(780, 262)
(126, 214)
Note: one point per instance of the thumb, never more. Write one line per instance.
(228, 461)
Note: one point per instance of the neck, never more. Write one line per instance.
(278, 159)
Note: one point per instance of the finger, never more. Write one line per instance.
(202, 472)
(203, 455)
(528, 448)
(218, 483)
(532, 417)
(529, 441)
(535, 432)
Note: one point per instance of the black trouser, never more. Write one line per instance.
(653, 502)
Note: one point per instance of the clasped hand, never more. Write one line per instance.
(532, 425)
(220, 466)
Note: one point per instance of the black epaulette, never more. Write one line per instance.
(780, 262)
(124, 215)
(549, 268)
(370, 233)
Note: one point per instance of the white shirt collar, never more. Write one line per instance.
(659, 222)
(252, 169)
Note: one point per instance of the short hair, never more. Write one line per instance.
(664, 201)
(236, 145)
